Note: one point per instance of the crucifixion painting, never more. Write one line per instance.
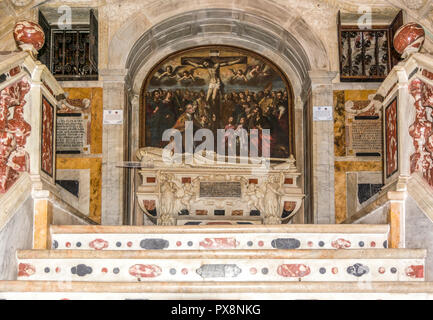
(213, 65)
(218, 87)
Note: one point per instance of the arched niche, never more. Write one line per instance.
(293, 47)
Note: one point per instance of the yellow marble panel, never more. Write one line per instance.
(394, 215)
(341, 168)
(95, 166)
(357, 95)
(43, 217)
(339, 124)
(96, 109)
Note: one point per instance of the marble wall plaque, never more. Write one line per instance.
(322, 113)
(72, 133)
(220, 189)
(366, 137)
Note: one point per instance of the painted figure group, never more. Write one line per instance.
(238, 109)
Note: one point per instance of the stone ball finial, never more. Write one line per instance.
(29, 36)
(408, 39)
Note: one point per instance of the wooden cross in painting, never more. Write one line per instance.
(213, 64)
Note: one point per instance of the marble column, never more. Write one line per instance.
(323, 149)
(113, 148)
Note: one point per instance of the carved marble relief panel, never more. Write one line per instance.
(14, 131)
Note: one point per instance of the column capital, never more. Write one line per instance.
(322, 77)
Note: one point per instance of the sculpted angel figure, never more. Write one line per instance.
(185, 195)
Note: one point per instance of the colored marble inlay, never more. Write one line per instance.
(95, 166)
(340, 183)
(391, 142)
(47, 155)
(96, 113)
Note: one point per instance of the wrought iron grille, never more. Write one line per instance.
(365, 54)
(71, 55)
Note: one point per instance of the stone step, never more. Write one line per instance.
(227, 265)
(47, 290)
(221, 237)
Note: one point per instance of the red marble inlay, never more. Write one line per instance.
(421, 130)
(288, 181)
(218, 243)
(129, 244)
(186, 180)
(150, 179)
(381, 270)
(373, 244)
(293, 270)
(104, 270)
(145, 271)
(253, 181)
(14, 71)
(98, 244)
(334, 270)
(14, 132)
(253, 270)
(184, 271)
(341, 244)
(47, 136)
(26, 270)
(415, 271)
(261, 243)
(178, 243)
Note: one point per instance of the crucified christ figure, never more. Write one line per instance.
(213, 67)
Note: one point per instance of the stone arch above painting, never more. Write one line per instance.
(219, 87)
(289, 48)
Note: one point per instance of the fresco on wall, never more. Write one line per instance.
(218, 88)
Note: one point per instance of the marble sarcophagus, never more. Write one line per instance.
(203, 189)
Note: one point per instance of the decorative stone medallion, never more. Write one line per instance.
(409, 39)
(29, 35)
